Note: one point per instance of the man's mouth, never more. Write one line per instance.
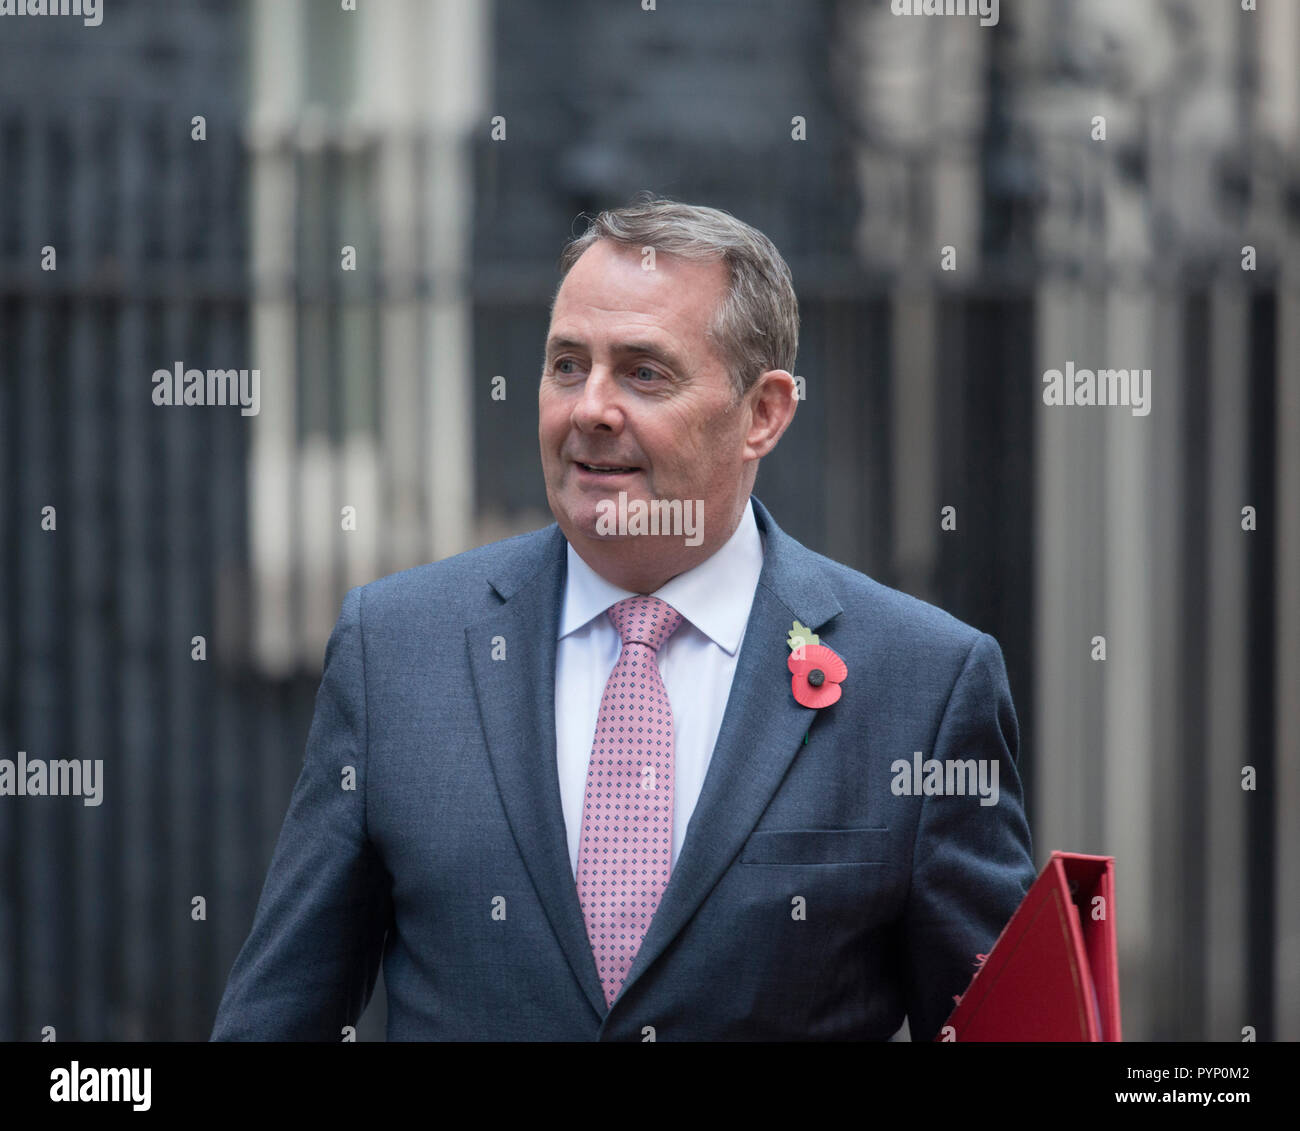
(606, 468)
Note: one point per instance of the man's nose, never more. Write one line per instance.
(598, 406)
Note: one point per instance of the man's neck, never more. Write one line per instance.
(623, 562)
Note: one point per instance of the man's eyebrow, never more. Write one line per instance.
(554, 344)
(648, 349)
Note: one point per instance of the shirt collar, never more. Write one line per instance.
(715, 596)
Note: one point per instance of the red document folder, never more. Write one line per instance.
(1052, 974)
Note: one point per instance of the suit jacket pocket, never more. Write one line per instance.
(817, 846)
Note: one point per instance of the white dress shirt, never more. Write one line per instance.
(697, 664)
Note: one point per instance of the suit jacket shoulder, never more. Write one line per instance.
(465, 585)
(907, 622)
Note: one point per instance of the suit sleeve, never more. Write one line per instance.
(309, 964)
(972, 863)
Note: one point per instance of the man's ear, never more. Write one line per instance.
(772, 405)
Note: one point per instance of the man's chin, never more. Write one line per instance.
(590, 525)
(603, 533)
(593, 512)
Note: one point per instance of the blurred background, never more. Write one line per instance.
(453, 145)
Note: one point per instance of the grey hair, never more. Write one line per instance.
(756, 325)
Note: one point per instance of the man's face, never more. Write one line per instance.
(632, 381)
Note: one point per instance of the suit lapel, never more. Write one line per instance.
(516, 699)
(761, 734)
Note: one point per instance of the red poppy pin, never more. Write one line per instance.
(816, 671)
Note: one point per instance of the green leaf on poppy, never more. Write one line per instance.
(802, 636)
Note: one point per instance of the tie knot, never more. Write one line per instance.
(644, 620)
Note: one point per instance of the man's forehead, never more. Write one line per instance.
(612, 283)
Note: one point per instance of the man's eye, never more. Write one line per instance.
(645, 373)
(559, 366)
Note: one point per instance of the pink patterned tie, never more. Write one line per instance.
(627, 813)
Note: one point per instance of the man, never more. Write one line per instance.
(570, 786)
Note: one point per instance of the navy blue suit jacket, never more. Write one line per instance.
(812, 898)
